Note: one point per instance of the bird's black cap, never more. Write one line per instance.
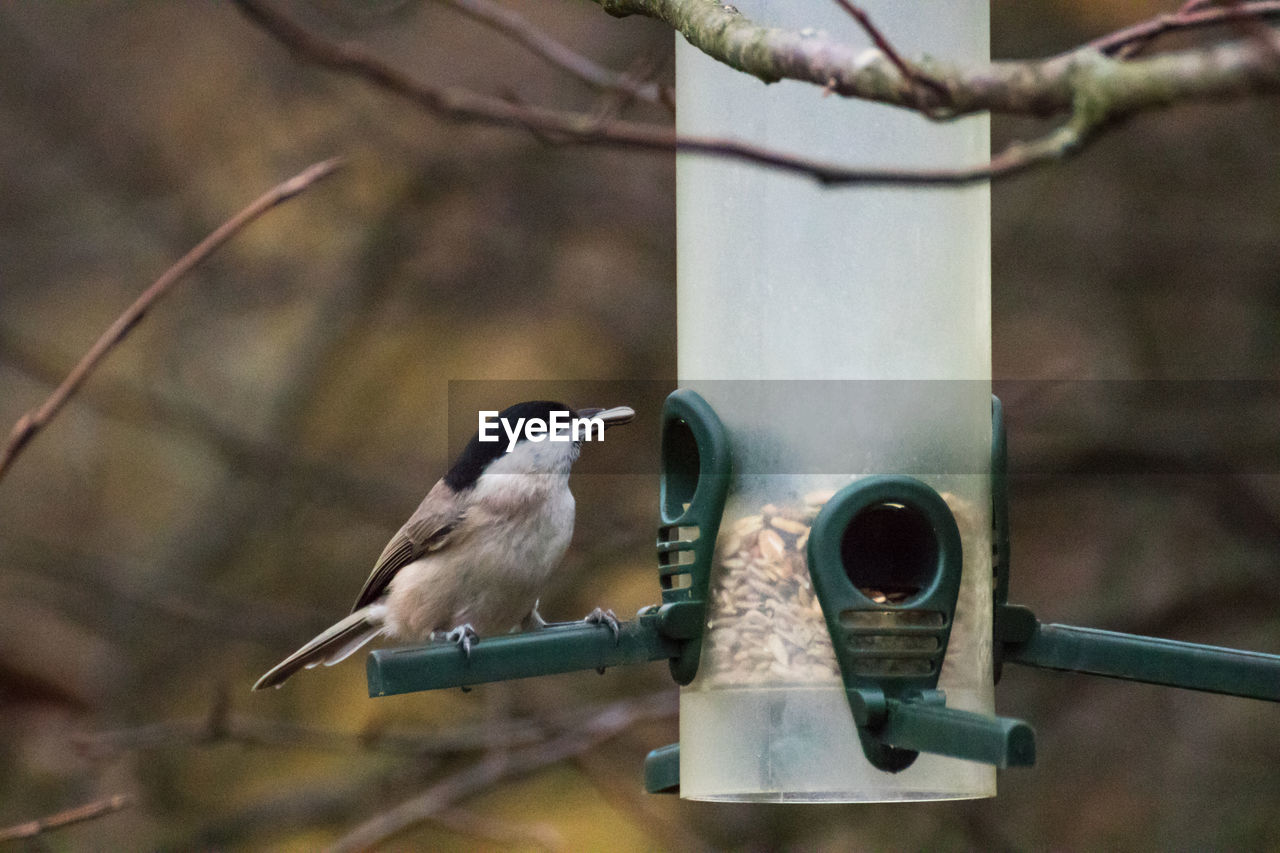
(477, 455)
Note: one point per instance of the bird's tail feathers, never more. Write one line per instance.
(337, 642)
(339, 655)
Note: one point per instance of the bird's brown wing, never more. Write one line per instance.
(427, 530)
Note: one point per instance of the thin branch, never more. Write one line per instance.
(79, 814)
(1193, 15)
(1033, 88)
(1097, 91)
(449, 102)
(518, 28)
(219, 725)
(488, 772)
(643, 67)
(910, 72)
(588, 130)
(266, 733)
(1254, 27)
(35, 420)
(1129, 51)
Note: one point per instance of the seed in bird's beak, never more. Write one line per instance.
(611, 417)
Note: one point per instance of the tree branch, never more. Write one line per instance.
(1193, 15)
(922, 81)
(267, 733)
(220, 725)
(79, 814)
(516, 27)
(1096, 90)
(486, 773)
(1035, 88)
(35, 420)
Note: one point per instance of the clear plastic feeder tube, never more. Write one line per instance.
(838, 333)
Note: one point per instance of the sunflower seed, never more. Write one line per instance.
(786, 525)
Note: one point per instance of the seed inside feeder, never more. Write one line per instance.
(767, 625)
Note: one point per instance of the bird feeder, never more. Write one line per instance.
(833, 542)
(838, 334)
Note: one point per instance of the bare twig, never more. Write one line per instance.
(518, 28)
(448, 102)
(642, 68)
(922, 80)
(551, 125)
(220, 725)
(1254, 27)
(486, 773)
(268, 460)
(1128, 42)
(1132, 49)
(35, 420)
(266, 733)
(79, 814)
(1098, 92)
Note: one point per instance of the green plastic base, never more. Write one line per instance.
(662, 770)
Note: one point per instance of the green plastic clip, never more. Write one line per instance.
(695, 482)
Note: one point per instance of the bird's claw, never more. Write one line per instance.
(463, 635)
(534, 621)
(605, 617)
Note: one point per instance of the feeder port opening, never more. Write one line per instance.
(890, 553)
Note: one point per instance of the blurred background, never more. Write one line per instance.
(219, 489)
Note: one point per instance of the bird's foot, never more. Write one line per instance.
(604, 617)
(534, 621)
(463, 635)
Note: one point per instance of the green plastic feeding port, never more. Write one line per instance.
(885, 557)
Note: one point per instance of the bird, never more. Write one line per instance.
(474, 556)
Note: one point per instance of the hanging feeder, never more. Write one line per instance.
(833, 541)
(839, 334)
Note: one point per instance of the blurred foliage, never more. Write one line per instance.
(217, 492)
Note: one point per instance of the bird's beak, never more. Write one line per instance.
(611, 417)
